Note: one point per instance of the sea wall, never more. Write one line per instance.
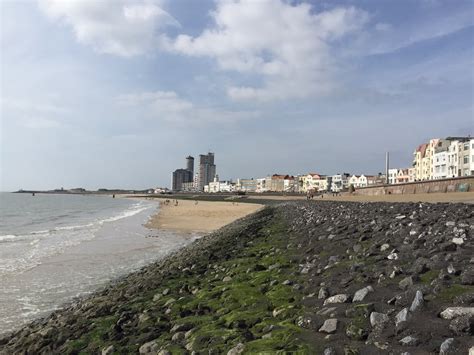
(462, 184)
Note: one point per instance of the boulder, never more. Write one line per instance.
(401, 316)
(378, 320)
(329, 326)
(150, 348)
(238, 349)
(446, 346)
(454, 312)
(417, 301)
(341, 298)
(362, 293)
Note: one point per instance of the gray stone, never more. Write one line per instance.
(417, 301)
(150, 348)
(341, 298)
(108, 350)
(329, 351)
(323, 293)
(326, 311)
(165, 291)
(453, 312)
(458, 241)
(362, 293)
(384, 247)
(401, 316)
(377, 320)
(238, 349)
(329, 326)
(462, 325)
(406, 283)
(178, 337)
(164, 352)
(409, 341)
(445, 347)
(227, 279)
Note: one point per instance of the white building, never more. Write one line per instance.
(339, 182)
(440, 163)
(392, 176)
(358, 181)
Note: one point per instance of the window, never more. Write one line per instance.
(466, 146)
(466, 159)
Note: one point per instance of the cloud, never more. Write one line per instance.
(169, 107)
(120, 27)
(289, 47)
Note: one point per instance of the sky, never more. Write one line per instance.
(116, 93)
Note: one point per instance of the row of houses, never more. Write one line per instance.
(307, 183)
(444, 158)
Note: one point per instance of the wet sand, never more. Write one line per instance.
(200, 217)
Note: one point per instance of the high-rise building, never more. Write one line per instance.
(190, 163)
(207, 170)
(180, 177)
(183, 176)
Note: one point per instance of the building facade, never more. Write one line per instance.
(207, 170)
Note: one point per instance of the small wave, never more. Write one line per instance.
(7, 237)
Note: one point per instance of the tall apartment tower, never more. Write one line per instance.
(190, 164)
(207, 170)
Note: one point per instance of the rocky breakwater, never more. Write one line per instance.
(313, 277)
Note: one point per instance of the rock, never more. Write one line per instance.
(164, 352)
(157, 297)
(417, 301)
(401, 316)
(471, 350)
(108, 350)
(287, 283)
(362, 293)
(450, 224)
(378, 320)
(453, 312)
(401, 217)
(150, 348)
(462, 325)
(341, 298)
(458, 241)
(178, 337)
(323, 293)
(392, 256)
(326, 311)
(384, 247)
(227, 279)
(445, 347)
(406, 283)
(329, 351)
(169, 302)
(467, 276)
(238, 349)
(409, 341)
(353, 331)
(165, 291)
(329, 326)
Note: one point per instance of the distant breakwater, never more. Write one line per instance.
(375, 277)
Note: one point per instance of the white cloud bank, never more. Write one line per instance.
(120, 27)
(289, 46)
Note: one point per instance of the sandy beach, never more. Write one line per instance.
(200, 216)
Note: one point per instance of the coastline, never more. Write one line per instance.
(255, 286)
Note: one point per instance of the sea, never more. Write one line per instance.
(56, 247)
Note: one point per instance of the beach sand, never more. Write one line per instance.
(454, 197)
(202, 217)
